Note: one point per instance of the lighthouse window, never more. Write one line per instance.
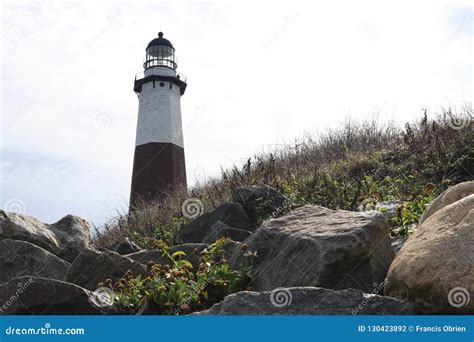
(162, 84)
(160, 55)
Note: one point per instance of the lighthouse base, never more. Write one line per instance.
(158, 168)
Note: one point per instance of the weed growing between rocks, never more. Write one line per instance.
(177, 288)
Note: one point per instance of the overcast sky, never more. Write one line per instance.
(259, 74)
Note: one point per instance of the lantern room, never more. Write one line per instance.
(160, 53)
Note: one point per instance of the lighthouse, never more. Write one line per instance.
(159, 164)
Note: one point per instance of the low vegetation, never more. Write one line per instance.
(176, 288)
(352, 168)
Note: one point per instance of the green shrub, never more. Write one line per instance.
(178, 289)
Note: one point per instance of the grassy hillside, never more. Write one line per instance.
(350, 168)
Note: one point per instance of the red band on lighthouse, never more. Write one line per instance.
(157, 169)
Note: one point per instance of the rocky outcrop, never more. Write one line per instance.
(41, 296)
(20, 258)
(434, 269)
(231, 214)
(72, 233)
(451, 195)
(308, 301)
(126, 246)
(260, 202)
(65, 238)
(221, 230)
(316, 246)
(310, 261)
(92, 267)
(27, 228)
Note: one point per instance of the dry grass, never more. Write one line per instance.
(340, 169)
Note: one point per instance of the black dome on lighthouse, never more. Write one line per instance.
(160, 41)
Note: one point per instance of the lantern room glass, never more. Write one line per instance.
(160, 55)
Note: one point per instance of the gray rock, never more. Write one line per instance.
(65, 238)
(231, 214)
(308, 301)
(221, 230)
(92, 267)
(231, 248)
(398, 242)
(146, 255)
(41, 296)
(434, 269)
(26, 228)
(126, 246)
(20, 258)
(316, 246)
(388, 208)
(451, 195)
(260, 202)
(72, 233)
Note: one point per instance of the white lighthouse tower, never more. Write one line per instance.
(159, 164)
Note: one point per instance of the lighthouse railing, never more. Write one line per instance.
(140, 75)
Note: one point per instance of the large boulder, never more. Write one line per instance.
(308, 301)
(316, 246)
(41, 296)
(26, 228)
(20, 258)
(260, 201)
(65, 238)
(221, 230)
(451, 195)
(434, 268)
(231, 214)
(92, 267)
